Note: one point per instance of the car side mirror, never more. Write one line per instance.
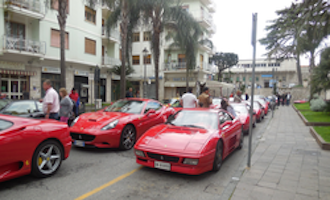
(151, 111)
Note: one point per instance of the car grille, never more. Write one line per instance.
(84, 137)
(163, 157)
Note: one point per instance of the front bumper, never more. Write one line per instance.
(97, 138)
(205, 163)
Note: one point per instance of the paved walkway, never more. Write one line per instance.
(287, 163)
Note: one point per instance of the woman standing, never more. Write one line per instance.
(66, 106)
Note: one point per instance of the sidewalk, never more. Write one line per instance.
(287, 163)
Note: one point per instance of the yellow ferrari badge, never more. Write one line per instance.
(27, 162)
(165, 146)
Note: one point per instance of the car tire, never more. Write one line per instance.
(128, 137)
(217, 163)
(241, 140)
(47, 159)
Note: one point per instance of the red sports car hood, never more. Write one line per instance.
(243, 118)
(98, 119)
(175, 138)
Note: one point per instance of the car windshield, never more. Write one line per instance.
(195, 119)
(3, 103)
(262, 101)
(256, 105)
(240, 109)
(127, 106)
(216, 101)
(20, 108)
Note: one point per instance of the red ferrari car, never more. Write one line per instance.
(300, 101)
(264, 104)
(242, 111)
(258, 110)
(193, 141)
(32, 146)
(119, 125)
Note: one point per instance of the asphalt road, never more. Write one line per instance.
(113, 174)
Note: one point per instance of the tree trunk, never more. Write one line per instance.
(299, 69)
(62, 15)
(311, 67)
(156, 59)
(219, 74)
(123, 27)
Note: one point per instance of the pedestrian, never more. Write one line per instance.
(283, 98)
(226, 106)
(231, 95)
(76, 101)
(129, 93)
(278, 99)
(288, 98)
(237, 97)
(51, 104)
(246, 96)
(189, 100)
(66, 106)
(204, 99)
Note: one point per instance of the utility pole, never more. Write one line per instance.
(254, 44)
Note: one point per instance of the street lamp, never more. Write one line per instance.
(145, 54)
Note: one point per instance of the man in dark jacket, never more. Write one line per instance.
(129, 93)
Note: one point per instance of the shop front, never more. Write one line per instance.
(15, 80)
(81, 84)
(54, 75)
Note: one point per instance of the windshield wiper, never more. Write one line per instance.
(193, 126)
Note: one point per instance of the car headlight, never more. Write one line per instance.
(139, 153)
(190, 161)
(111, 125)
(74, 121)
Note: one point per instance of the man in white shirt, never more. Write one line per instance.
(189, 100)
(51, 104)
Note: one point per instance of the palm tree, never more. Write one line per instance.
(186, 33)
(124, 13)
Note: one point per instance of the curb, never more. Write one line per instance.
(307, 123)
(323, 144)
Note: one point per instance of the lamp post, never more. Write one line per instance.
(145, 53)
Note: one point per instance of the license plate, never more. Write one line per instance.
(162, 165)
(79, 143)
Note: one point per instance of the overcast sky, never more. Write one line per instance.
(233, 19)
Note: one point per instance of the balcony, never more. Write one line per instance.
(212, 8)
(24, 46)
(29, 8)
(175, 66)
(110, 62)
(114, 35)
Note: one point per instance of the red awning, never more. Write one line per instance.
(17, 72)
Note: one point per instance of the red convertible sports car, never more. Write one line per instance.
(242, 111)
(264, 104)
(119, 125)
(32, 146)
(258, 109)
(193, 141)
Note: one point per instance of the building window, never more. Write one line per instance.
(147, 36)
(257, 78)
(90, 15)
(17, 30)
(237, 79)
(136, 60)
(136, 37)
(277, 64)
(243, 78)
(90, 46)
(55, 40)
(181, 58)
(54, 5)
(284, 78)
(147, 59)
(250, 79)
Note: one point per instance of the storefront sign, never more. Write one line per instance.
(103, 76)
(266, 76)
(52, 70)
(81, 73)
(12, 65)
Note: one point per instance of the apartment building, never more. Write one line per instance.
(30, 48)
(172, 64)
(267, 72)
(30, 51)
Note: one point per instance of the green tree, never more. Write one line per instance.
(224, 61)
(125, 11)
(61, 17)
(321, 74)
(186, 34)
(117, 70)
(282, 38)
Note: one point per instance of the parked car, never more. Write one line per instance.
(4, 103)
(193, 141)
(32, 146)
(242, 110)
(24, 108)
(258, 109)
(174, 103)
(119, 125)
(264, 105)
